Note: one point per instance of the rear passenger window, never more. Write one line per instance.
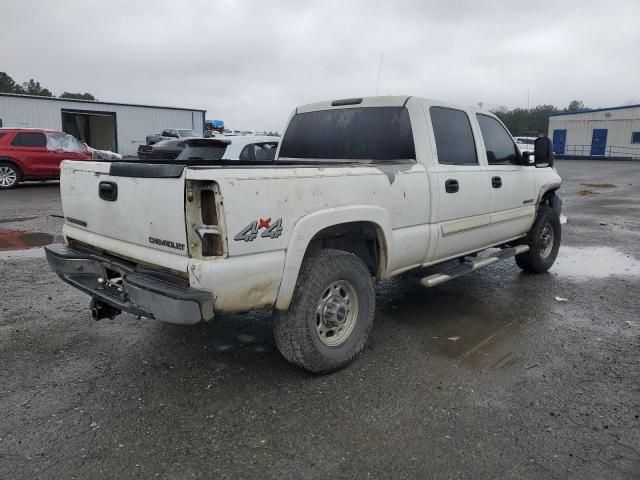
(29, 139)
(454, 138)
(499, 144)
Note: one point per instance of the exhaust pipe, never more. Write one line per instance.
(100, 310)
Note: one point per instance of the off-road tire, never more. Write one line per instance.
(536, 260)
(295, 329)
(17, 172)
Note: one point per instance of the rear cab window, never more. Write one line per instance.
(29, 139)
(360, 133)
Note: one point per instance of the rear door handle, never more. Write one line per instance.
(451, 185)
(108, 191)
(496, 182)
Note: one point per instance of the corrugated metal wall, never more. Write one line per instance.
(133, 123)
(619, 123)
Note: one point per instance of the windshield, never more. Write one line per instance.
(189, 133)
(63, 142)
(362, 133)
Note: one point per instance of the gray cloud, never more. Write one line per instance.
(251, 63)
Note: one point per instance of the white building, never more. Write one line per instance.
(600, 133)
(119, 127)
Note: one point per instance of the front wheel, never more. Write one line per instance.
(331, 314)
(9, 176)
(544, 242)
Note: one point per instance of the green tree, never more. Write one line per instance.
(8, 84)
(526, 122)
(575, 106)
(79, 96)
(33, 87)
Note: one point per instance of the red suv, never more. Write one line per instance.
(35, 154)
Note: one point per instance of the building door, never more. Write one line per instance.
(96, 129)
(598, 141)
(559, 140)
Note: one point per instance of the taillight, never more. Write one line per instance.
(206, 228)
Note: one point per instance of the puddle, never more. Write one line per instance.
(20, 240)
(594, 262)
(21, 244)
(481, 335)
(17, 219)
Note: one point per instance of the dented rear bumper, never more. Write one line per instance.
(128, 287)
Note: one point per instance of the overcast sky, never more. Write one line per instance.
(251, 63)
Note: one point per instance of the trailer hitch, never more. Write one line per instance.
(100, 310)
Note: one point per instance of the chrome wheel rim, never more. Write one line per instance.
(8, 176)
(336, 313)
(546, 240)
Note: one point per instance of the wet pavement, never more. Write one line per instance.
(497, 374)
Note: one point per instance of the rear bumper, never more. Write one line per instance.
(127, 287)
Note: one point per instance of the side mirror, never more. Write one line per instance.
(543, 152)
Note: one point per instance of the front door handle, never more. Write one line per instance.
(451, 185)
(496, 182)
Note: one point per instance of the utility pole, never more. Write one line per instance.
(528, 100)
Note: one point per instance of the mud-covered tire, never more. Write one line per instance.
(10, 175)
(542, 249)
(298, 331)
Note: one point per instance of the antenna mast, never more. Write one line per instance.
(379, 73)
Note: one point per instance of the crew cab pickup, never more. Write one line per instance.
(360, 190)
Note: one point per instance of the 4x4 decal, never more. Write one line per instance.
(250, 232)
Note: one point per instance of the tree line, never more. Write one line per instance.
(520, 121)
(33, 87)
(533, 121)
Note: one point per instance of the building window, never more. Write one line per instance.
(635, 137)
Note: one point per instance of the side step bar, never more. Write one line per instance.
(472, 265)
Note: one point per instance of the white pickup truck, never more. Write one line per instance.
(360, 190)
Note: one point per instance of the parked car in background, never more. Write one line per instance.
(246, 148)
(172, 133)
(164, 149)
(258, 148)
(98, 154)
(35, 154)
(525, 144)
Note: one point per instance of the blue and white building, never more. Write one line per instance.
(598, 133)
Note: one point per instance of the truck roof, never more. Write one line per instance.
(382, 101)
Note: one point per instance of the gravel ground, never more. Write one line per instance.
(488, 376)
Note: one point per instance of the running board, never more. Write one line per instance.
(472, 265)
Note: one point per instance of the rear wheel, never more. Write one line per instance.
(9, 176)
(331, 313)
(544, 242)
